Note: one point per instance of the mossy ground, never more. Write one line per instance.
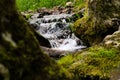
(96, 63)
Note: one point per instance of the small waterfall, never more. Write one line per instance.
(56, 29)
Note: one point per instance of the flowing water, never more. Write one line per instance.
(56, 28)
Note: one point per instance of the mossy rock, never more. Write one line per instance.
(95, 63)
(20, 52)
(100, 19)
(112, 41)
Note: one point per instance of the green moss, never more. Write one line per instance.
(95, 63)
(66, 61)
(28, 16)
(102, 52)
(26, 61)
(96, 22)
(78, 5)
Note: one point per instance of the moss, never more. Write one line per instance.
(26, 61)
(27, 16)
(78, 5)
(95, 63)
(66, 61)
(97, 21)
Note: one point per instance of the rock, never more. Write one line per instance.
(42, 41)
(43, 11)
(20, 52)
(78, 15)
(54, 52)
(40, 15)
(69, 4)
(112, 41)
(115, 74)
(98, 21)
(69, 7)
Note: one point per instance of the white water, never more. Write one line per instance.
(56, 29)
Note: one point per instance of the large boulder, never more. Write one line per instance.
(100, 19)
(21, 57)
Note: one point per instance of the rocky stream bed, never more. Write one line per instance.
(21, 57)
(55, 27)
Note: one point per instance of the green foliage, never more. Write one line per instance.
(24, 5)
(34, 4)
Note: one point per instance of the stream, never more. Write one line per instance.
(56, 28)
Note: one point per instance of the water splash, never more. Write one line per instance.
(56, 29)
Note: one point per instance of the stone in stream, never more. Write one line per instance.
(69, 4)
(112, 41)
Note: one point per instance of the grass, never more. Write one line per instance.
(24, 5)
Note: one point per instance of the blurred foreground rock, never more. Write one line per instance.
(21, 57)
